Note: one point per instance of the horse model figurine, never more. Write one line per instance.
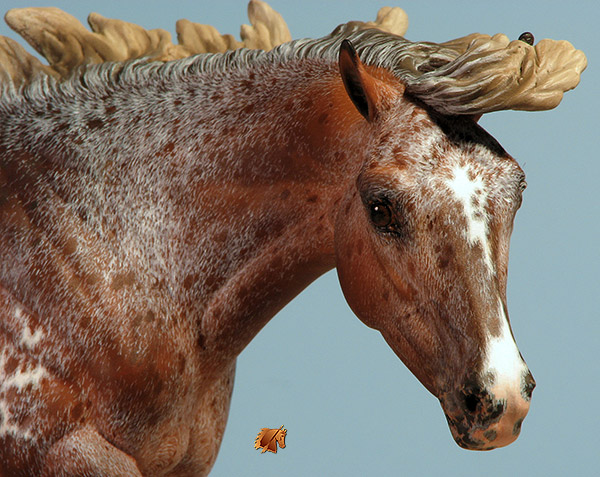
(154, 216)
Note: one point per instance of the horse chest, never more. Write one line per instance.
(137, 385)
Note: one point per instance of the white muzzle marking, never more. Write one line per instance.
(504, 362)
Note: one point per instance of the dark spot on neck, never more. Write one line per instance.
(137, 320)
(247, 84)
(190, 280)
(61, 127)
(70, 246)
(10, 365)
(85, 321)
(95, 123)
(150, 316)
(182, 363)
(445, 256)
(201, 340)
(169, 147)
(121, 280)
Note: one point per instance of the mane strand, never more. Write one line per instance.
(474, 74)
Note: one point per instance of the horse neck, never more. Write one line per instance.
(283, 152)
(220, 187)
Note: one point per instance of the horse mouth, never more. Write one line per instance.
(479, 421)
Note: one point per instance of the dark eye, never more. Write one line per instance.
(381, 214)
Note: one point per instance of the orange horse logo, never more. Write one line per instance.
(267, 439)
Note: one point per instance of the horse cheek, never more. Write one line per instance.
(364, 285)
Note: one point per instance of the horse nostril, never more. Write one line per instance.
(471, 402)
(528, 386)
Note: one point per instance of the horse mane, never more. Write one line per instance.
(471, 75)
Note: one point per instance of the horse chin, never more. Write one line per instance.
(482, 438)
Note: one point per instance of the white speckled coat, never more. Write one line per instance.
(154, 217)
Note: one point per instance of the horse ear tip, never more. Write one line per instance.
(348, 47)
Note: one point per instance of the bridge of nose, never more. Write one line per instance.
(504, 373)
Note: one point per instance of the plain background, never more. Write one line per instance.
(349, 404)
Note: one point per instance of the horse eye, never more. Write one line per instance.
(381, 214)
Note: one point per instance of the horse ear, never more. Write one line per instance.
(359, 85)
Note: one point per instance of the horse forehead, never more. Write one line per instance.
(428, 147)
(471, 167)
(465, 171)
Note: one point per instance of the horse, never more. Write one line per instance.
(155, 215)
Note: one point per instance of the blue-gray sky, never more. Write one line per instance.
(350, 406)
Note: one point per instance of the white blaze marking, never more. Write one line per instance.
(471, 194)
(503, 359)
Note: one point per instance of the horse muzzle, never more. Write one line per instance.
(482, 418)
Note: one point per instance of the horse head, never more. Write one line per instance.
(280, 436)
(422, 245)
